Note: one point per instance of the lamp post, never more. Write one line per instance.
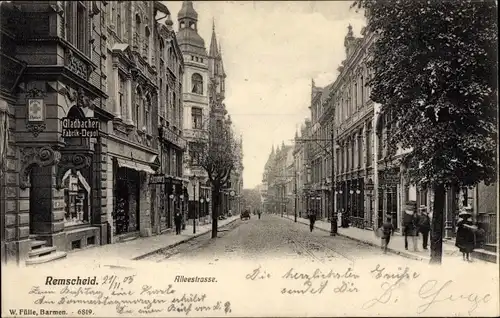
(194, 203)
(202, 207)
(207, 199)
(369, 186)
(296, 198)
(181, 198)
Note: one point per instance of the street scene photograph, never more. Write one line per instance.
(249, 158)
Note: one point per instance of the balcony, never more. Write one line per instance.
(169, 135)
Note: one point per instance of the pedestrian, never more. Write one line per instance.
(312, 220)
(387, 232)
(424, 226)
(178, 222)
(410, 223)
(465, 234)
(259, 213)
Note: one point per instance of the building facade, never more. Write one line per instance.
(71, 191)
(196, 90)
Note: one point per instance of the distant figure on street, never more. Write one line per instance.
(259, 213)
(178, 222)
(424, 226)
(465, 234)
(312, 220)
(410, 223)
(387, 232)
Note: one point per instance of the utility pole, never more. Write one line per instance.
(334, 217)
(295, 193)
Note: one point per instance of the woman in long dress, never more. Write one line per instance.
(465, 235)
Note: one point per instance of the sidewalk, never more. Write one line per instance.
(138, 248)
(396, 245)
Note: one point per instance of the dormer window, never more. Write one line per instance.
(183, 25)
(192, 25)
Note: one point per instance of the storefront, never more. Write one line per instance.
(127, 201)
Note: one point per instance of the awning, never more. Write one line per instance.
(135, 165)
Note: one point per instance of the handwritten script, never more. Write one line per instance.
(126, 296)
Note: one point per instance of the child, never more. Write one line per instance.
(387, 231)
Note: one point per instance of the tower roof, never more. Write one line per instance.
(187, 11)
(214, 50)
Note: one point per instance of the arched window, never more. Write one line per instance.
(197, 84)
(146, 43)
(137, 33)
(137, 107)
(119, 26)
(147, 114)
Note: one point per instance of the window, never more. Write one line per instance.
(137, 110)
(167, 95)
(119, 26)
(362, 90)
(174, 109)
(81, 27)
(137, 33)
(355, 95)
(146, 43)
(147, 114)
(369, 146)
(77, 199)
(162, 101)
(197, 82)
(360, 149)
(121, 96)
(77, 21)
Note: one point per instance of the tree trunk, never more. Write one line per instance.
(437, 224)
(215, 210)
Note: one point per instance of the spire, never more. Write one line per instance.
(213, 52)
(187, 11)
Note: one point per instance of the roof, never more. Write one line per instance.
(187, 11)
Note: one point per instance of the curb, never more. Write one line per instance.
(137, 258)
(403, 254)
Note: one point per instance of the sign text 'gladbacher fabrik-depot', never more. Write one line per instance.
(80, 128)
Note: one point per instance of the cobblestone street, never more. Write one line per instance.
(269, 238)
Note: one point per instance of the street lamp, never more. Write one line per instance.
(208, 202)
(194, 178)
(369, 186)
(202, 207)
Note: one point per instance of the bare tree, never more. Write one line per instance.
(216, 155)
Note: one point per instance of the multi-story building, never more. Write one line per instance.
(301, 175)
(290, 181)
(267, 182)
(319, 160)
(62, 189)
(144, 73)
(196, 90)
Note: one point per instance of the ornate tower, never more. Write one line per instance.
(216, 66)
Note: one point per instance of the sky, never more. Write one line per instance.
(271, 51)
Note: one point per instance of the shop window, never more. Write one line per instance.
(77, 199)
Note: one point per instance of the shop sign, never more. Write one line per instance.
(36, 110)
(391, 177)
(157, 179)
(80, 128)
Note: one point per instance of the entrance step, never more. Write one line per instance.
(491, 248)
(42, 251)
(36, 244)
(484, 255)
(46, 258)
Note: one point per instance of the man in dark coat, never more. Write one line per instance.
(178, 222)
(424, 226)
(410, 223)
(312, 219)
